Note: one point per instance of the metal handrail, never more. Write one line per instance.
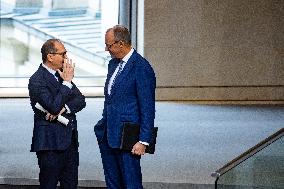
(75, 77)
(263, 144)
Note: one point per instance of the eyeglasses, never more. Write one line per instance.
(63, 54)
(109, 46)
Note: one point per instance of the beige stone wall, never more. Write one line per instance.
(216, 50)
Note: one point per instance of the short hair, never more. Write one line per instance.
(47, 48)
(121, 33)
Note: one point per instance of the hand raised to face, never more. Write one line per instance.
(67, 72)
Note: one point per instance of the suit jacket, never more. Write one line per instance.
(132, 99)
(52, 96)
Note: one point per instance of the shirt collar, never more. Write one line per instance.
(48, 69)
(126, 58)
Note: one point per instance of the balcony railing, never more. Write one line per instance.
(17, 86)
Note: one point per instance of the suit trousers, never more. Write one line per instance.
(121, 168)
(59, 166)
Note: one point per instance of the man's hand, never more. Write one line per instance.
(138, 149)
(68, 70)
(51, 117)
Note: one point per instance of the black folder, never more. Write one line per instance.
(130, 136)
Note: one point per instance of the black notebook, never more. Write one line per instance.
(130, 135)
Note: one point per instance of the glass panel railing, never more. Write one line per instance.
(261, 167)
(17, 86)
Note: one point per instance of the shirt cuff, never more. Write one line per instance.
(144, 143)
(68, 111)
(68, 84)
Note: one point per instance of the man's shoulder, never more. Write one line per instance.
(140, 62)
(138, 59)
(137, 56)
(37, 75)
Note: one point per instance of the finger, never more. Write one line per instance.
(51, 118)
(65, 64)
(72, 70)
(70, 63)
(137, 151)
(47, 116)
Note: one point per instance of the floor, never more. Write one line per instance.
(193, 141)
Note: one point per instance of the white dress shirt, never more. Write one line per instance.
(125, 59)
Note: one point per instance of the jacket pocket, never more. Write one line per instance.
(42, 123)
(129, 118)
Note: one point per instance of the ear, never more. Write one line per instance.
(121, 43)
(49, 58)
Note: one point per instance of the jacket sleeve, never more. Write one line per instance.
(76, 101)
(146, 84)
(52, 101)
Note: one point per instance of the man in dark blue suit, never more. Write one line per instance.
(129, 97)
(55, 143)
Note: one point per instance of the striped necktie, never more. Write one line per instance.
(117, 74)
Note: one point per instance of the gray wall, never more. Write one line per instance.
(226, 50)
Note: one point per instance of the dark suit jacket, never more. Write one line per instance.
(132, 99)
(52, 96)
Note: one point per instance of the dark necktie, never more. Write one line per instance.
(57, 75)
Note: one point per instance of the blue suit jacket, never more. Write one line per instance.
(52, 96)
(132, 99)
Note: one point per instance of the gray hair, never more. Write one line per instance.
(47, 48)
(121, 33)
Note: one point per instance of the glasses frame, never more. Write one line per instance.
(109, 46)
(63, 54)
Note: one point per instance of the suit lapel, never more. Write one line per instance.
(124, 73)
(49, 77)
(112, 67)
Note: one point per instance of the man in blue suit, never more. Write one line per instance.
(129, 97)
(55, 143)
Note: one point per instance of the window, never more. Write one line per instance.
(80, 25)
